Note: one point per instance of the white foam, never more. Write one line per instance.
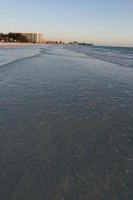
(10, 53)
(122, 56)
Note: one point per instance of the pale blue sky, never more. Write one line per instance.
(108, 22)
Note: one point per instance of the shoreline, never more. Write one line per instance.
(2, 45)
(44, 97)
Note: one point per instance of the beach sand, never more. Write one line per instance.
(5, 45)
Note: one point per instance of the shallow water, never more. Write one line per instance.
(11, 53)
(122, 56)
(66, 124)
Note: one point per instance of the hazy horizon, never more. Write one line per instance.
(98, 22)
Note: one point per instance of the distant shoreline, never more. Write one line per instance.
(18, 44)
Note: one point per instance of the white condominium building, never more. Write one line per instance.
(34, 37)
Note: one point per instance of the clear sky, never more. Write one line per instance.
(102, 22)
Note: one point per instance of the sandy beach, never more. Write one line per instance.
(5, 45)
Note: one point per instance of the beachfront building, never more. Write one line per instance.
(34, 37)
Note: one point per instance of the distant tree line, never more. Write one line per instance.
(13, 37)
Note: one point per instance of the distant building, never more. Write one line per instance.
(34, 37)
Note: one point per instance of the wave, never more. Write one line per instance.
(11, 54)
(118, 55)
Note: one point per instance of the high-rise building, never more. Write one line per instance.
(34, 37)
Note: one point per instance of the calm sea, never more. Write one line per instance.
(117, 55)
(66, 123)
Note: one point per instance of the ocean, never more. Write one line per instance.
(118, 55)
(66, 123)
(10, 53)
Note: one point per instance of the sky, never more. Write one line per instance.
(102, 22)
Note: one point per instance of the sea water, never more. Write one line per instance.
(118, 55)
(66, 126)
(10, 53)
